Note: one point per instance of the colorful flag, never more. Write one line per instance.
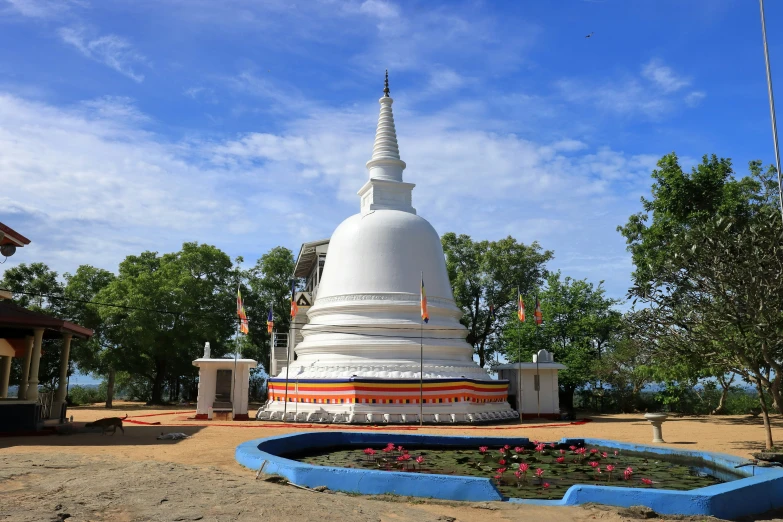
(537, 314)
(520, 307)
(294, 308)
(270, 321)
(243, 323)
(492, 314)
(425, 316)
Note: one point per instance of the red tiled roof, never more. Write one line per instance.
(12, 237)
(14, 317)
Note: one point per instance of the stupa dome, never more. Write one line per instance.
(364, 349)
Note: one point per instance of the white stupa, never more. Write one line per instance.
(359, 360)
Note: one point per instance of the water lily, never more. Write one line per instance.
(502, 451)
(420, 460)
(616, 453)
(594, 464)
(540, 448)
(560, 460)
(546, 485)
(502, 462)
(562, 452)
(539, 472)
(524, 467)
(483, 449)
(506, 447)
(572, 448)
(604, 454)
(501, 471)
(593, 451)
(519, 449)
(647, 482)
(609, 469)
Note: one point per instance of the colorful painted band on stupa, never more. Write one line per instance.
(387, 391)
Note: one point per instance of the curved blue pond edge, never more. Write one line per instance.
(760, 490)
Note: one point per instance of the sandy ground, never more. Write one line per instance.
(133, 476)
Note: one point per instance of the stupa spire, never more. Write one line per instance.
(385, 162)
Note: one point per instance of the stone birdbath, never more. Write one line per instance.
(656, 419)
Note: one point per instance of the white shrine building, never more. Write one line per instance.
(532, 387)
(356, 351)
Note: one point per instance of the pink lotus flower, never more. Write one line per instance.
(399, 448)
(647, 482)
(518, 474)
(498, 477)
(609, 468)
(560, 460)
(502, 451)
(551, 444)
(572, 448)
(369, 451)
(604, 454)
(404, 458)
(420, 459)
(546, 485)
(524, 467)
(483, 449)
(388, 449)
(627, 474)
(562, 452)
(519, 450)
(502, 461)
(616, 453)
(594, 464)
(539, 472)
(629, 470)
(506, 447)
(540, 447)
(501, 471)
(593, 451)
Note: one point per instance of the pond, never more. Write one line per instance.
(532, 470)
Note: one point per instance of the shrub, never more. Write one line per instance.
(81, 395)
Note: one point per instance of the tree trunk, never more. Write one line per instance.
(775, 392)
(157, 383)
(110, 388)
(765, 414)
(724, 394)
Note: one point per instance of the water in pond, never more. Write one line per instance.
(544, 471)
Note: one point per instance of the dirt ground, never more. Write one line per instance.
(84, 475)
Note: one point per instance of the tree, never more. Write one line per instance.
(715, 298)
(97, 355)
(270, 285)
(32, 285)
(579, 324)
(168, 306)
(489, 272)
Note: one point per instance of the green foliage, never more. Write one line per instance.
(710, 269)
(175, 303)
(270, 284)
(489, 272)
(86, 395)
(579, 326)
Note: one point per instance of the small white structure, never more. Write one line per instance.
(538, 380)
(218, 390)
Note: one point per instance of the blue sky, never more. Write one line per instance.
(137, 125)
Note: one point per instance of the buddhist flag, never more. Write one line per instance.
(492, 314)
(537, 314)
(243, 324)
(294, 308)
(270, 321)
(425, 316)
(520, 307)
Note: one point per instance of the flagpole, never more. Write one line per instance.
(421, 363)
(519, 361)
(772, 106)
(236, 349)
(538, 375)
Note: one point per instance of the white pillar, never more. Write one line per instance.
(32, 383)
(28, 352)
(62, 390)
(5, 376)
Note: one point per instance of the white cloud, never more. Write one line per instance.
(111, 50)
(41, 8)
(663, 76)
(379, 9)
(694, 98)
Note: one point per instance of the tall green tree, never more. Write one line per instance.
(489, 272)
(36, 287)
(579, 324)
(168, 307)
(716, 298)
(270, 285)
(97, 355)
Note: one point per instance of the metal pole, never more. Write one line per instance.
(772, 106)
(287, 365)
(236, 350)
(421, 367)
(519, 366)
(538, 375)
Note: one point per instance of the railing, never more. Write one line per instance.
(46, 399)
(279, 353)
